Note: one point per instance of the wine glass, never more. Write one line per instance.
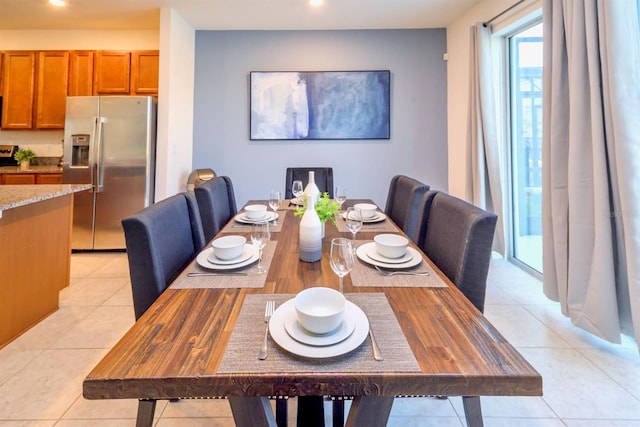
(341, 195)
(260, 235)
(354, 223)
(274, 203)
(341, 258)
(296, 189)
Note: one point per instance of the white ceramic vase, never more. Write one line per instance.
(311, 191)
(310, 237)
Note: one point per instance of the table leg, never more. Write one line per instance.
(472, 411)
(146, 409)
(370, 411)
(252, 412)
(310, 411)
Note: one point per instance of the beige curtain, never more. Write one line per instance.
(482, 135)
(591, 163)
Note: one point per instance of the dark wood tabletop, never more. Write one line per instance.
(174, 350)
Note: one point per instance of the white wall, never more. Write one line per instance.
(175, 104)
(418, 144)
(49, 142)
(458, 34)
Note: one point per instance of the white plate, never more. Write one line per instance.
(297, 332)
(373, 253)
(363, 250)
(203, 259)
(298, 201)
(283, 339)
(242, 217)
(247, 252)
(379, 216)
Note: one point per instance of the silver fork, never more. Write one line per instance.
(405, 273)
(268, 312)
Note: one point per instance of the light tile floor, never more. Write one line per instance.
(587, 382)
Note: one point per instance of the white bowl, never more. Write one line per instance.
(228, 247)
(391, 245)
(367, 210)
(319, 310)
(255, 211)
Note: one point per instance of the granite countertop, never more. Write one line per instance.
(13, 196)
(32, 169)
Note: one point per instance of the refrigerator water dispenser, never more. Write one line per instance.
(80, 149)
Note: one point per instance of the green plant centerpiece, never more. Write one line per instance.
(326, 208)
(24, 155)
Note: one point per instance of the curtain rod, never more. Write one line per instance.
(503, 12)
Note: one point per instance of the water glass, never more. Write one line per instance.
(341, 258)
(260, 235)
(341, 195)
(297, 189)
(354, 223)
(274, 203)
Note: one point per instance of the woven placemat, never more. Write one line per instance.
(251, 280)
(364, 274)
(234, 226)
(241, 353)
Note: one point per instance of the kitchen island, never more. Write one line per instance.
(35, 248)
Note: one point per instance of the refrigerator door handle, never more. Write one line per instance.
(99, 180)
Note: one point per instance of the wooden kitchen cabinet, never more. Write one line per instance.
(18, 90)
(49, 178)
(81, 73)
(144, 72)
(51, 95)
(30, 178)
(18, 178)
(112, 72)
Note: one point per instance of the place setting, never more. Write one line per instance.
(231, 261)
(389, 260)
(255, 213)
(366, 217)
(318, 329)
(318, 323)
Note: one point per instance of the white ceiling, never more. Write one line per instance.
(233, 14)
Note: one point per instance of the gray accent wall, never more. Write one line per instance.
(418, 143)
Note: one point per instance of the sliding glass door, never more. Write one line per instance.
(525, 77)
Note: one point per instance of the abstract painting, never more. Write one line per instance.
(320, 105)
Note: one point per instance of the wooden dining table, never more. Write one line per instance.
(201, 341)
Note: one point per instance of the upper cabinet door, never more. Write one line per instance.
(144, 72)
(51, 97)
(81, 73)
(112, 73)
(18, 89)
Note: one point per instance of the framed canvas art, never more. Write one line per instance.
(293, 105)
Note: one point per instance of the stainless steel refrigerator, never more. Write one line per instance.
(109, 142)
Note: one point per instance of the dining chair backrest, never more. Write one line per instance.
(403, 202)
(217, 204)
(424, 207)
(161, 240)
(323, 178)
(458, 239)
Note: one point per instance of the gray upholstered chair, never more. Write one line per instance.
(403, 202)
(323, 178)
(161, 240)
(458, 239)
(420, 229)
(217, 204)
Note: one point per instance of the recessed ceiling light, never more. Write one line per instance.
(316, 2)
(58, 3)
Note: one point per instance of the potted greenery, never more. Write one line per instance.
(24, 157)
(326, 209)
